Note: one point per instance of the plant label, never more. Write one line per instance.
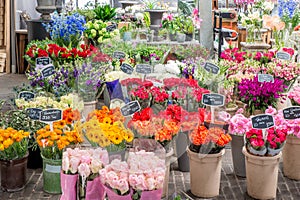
(262, 121)
(51, 115)
(43, 61)
(119, 54)
(210, 67)
(34, 113)
(130, 108)
(283, 55)
(213, 99)
(143, 68)
(291, 112)
(265, 78)
(111, 28)
(126, 68)
(26, 95)
(48, 71)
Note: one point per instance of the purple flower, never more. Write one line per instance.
(89, 82)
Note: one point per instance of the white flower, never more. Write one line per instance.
(139, 16)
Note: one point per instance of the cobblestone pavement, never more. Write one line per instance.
(231, 188)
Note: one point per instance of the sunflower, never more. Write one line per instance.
(107, 120)
(117, 138)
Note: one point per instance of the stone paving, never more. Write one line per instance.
(231, 188)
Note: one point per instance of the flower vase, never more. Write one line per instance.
(205, 173)
(238, 158)
(151, 195)
(250, 34)
(189, 37)
(113, 196)
(120, 155)
(155, 16)
(290, 154)
(114, 90)
(262, 175)
(68, 186)
(88, 107)
(182, 142)
(51, 175)
(95, 189)
(165, 192)
(180, 37)
(13, 174)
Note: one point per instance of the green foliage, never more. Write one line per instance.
(104, 13)
(185, 7)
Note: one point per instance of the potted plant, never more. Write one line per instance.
(188, 28)
(104, 13)
(169, 22)
(155, 10)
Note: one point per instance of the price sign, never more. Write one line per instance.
(111, 27)
(43, 61)
(126, 68)
(265, 78)
(119, 54)
(262, 121)
(210, 67)
(51, 115)
(130, 108)
(291, 112)
(48, 71)
(283, 55)
(26, 95)
(143, 68)
(34, 113)
(213, 99)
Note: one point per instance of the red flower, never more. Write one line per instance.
(42, 53)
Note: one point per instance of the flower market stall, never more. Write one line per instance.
(119, 98)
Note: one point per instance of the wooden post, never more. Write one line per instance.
(7, 34)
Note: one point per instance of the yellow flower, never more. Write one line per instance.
(128, 136)
(117, 138)
(107, 120)
(7, 142)
(1, 147)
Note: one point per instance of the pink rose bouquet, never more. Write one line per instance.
(294, 95)
(239, 124)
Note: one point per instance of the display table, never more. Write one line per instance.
(21, 42)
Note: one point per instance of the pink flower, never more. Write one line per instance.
(85, 159)
(74, 163)
(84, 170)
(65, 162)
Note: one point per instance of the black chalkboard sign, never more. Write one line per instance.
(51, 115)
(126, 68)
(34, 113)
(265, 78)
(143, 68)
(213, 99)
(210, 67)
(283, 55)
(43, 61)
(130, 108)
(48, 71)
(26, 95)
(291, 112)
(111, 27)
(262, 121)
(119, 54)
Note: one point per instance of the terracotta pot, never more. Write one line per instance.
(238, 157)
(205, 173)
(13, 174)
(262, 175)
(290, 154)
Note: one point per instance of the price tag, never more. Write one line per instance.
(143, 68)
(210, 67)
(111, 27)
(43, 61)
(119, 54)
(130, 108)
(283, 55)
(291, 112)
(126, 68)
(213, 99)
(26, 95)
(34, 113)
(262, 121)
(51, 115)
(265, 78)
(48, 71)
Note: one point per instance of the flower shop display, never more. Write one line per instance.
(115, 177)
(83, 165)
(146, 175)
(238, 125)
(13, 159)
(51, 143)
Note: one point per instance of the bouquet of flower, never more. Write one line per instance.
(115, 177)
(255, 140)
(14, 143)
(53, 142)
(294, 95)
(66, 30)
(97, 32)
(260, 95)
(146, 173)
(239, 124)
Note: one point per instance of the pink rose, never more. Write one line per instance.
(74, 163)
(96, 165)
(271, 111)
(85, 159)
(84, 170)
(65, 162)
